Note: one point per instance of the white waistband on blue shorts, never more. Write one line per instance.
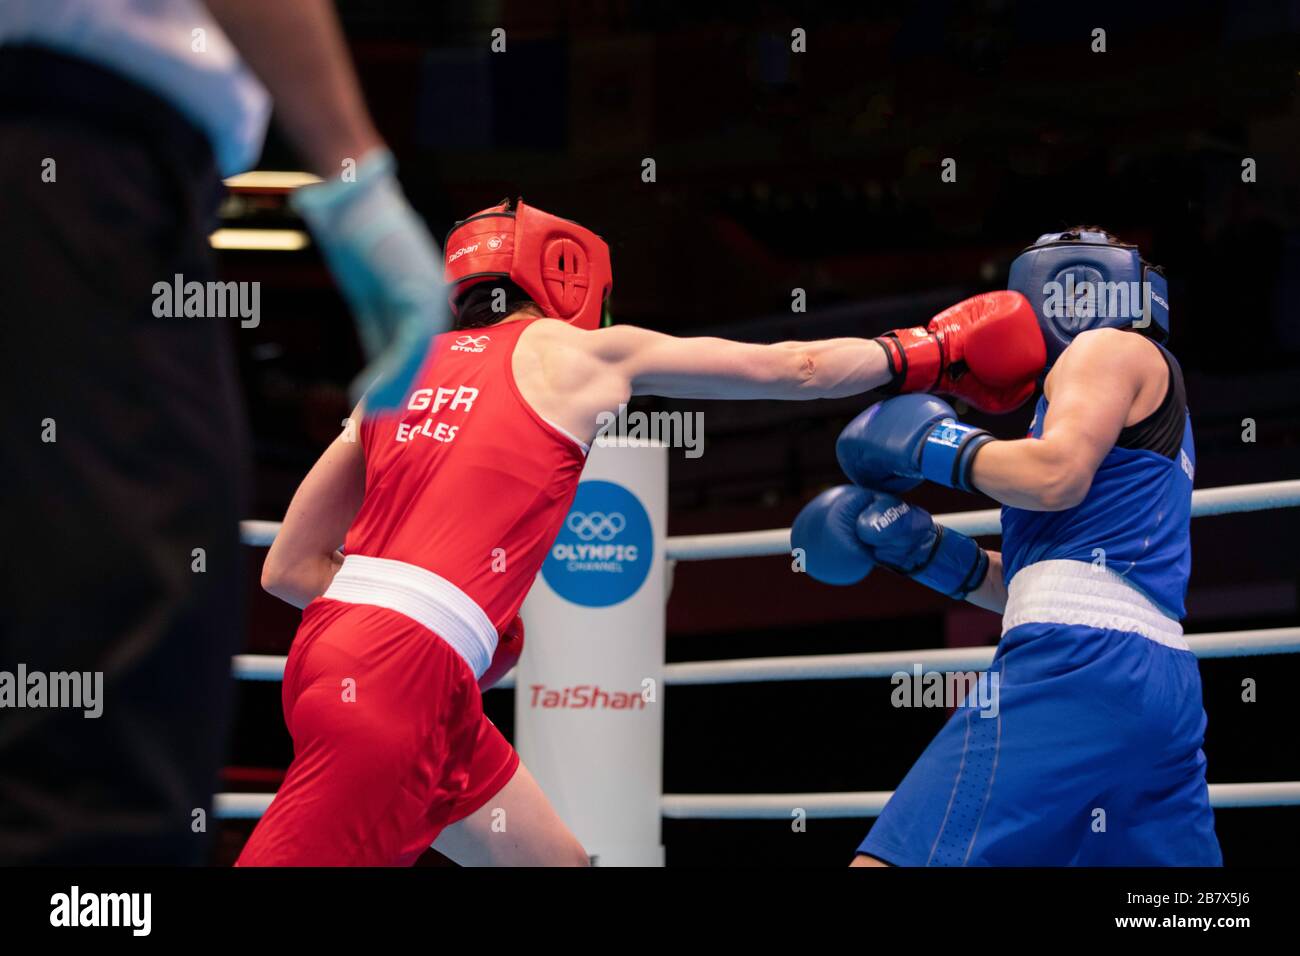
(1076, 592)
(426, 598)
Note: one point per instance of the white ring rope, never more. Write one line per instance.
(1276, 640)
(1229, 499)
(1281, 640)
(869, 803)
(821, 806)
(258, 534)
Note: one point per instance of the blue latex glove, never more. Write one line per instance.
(389, 269)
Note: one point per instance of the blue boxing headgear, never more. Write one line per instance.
(1087, 280)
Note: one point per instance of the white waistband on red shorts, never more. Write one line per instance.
(1076, 592)
(426, 598)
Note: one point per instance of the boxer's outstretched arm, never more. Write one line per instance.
(296, 49)
(304, 556)
(657, 364)
(572, 377)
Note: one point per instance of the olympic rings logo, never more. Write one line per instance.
(596, 525)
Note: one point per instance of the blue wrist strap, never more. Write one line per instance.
(955, 566)
(948, 452)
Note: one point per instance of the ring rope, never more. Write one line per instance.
(769, 806)
(1228, 499)
(821, 806)
(1275, 640)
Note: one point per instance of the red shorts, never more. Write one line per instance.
(390, 743)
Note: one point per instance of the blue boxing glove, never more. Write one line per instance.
(826, 532)
(896, 443)
(389, 269)
(905, 538)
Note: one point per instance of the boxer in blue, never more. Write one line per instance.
(1093, 754)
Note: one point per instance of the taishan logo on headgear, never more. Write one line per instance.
(471, 343)
(462, 251)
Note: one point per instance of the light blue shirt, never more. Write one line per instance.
(172, 47)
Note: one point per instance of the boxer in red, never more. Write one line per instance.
(446, 510)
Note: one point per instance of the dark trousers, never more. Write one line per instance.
(122, 459)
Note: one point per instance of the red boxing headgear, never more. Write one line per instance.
(563, 267)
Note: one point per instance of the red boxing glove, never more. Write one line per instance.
(987, 350)
(509, 647)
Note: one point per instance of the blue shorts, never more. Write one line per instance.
(1093, 759)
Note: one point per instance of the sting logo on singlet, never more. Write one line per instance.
(455, 402)
(470, 343)
(603, 552)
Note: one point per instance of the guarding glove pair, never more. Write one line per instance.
(890, 448)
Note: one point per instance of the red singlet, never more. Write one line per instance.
(469, 482)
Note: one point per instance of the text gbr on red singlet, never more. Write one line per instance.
(435, 400)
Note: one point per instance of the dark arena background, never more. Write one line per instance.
(762, 172)
(823, 170)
